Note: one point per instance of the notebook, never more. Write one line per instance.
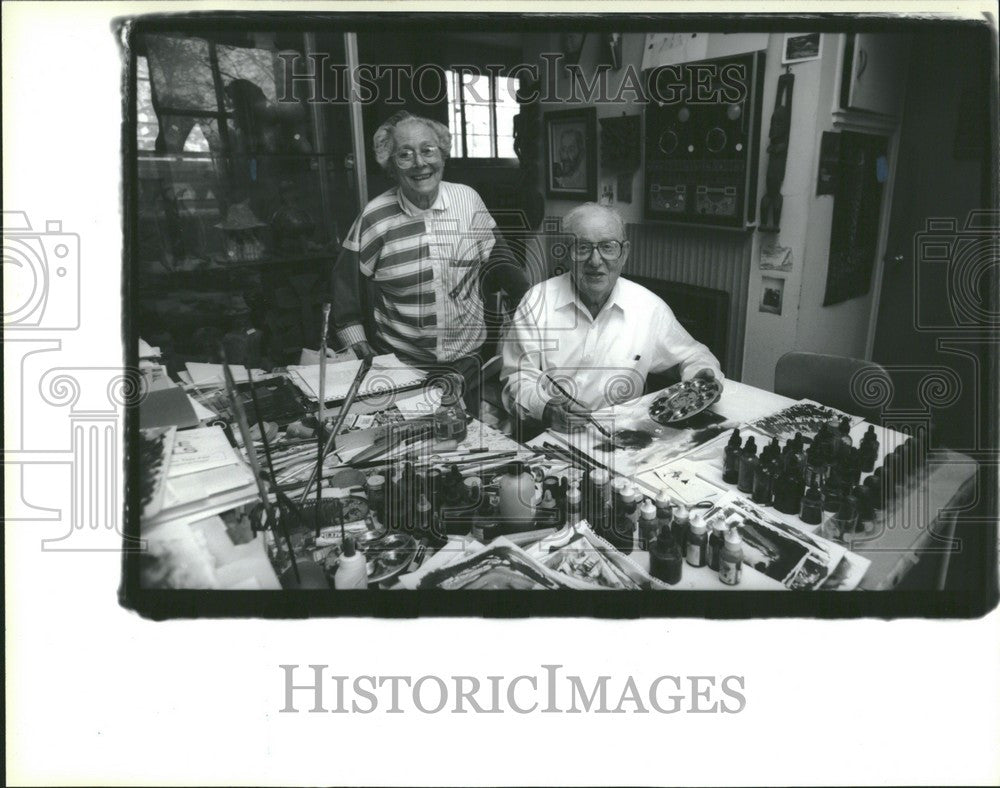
(388, 374)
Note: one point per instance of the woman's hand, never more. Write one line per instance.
(362, 350)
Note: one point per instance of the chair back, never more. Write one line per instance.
(852, 385)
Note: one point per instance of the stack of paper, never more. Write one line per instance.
(387, 374)
(202, 374)
(206, 476)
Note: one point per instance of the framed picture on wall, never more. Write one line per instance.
(571, 154)
(800, 47)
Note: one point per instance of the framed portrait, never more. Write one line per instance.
(571, 154)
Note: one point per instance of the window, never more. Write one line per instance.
(148, 125)
(481, 112)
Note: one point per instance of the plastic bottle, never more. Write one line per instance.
(375, 488)
(833, 494)
(597, 500)
(665, 561)
(763, 481)
(697, 542)
(869, 450)
(812, 507)
(815, 465)
(845, 521)
(664, 509)
(842, 438)
(573, 505)
(449, 418)
(861, 497)
(681, 525)
(731, 558)
(731, 459)
(648, 524)
(548, 510)
(628, 518)
(352, 569)
(517, 489)
(748, 466)
(716, 538)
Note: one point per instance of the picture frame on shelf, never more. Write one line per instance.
(571, 154)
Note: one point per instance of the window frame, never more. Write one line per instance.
(489, 161)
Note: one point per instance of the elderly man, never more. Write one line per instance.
(596, 334)
(408, 280)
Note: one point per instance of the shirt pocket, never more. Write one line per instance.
(622, 377)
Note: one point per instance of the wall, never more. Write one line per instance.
(718, 259)
(806, 222)
(768, 336)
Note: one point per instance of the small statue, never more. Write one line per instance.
(777, 150)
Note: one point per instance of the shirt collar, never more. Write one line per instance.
(566, 295)
(440, 202)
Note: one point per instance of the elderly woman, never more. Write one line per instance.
(421, 250)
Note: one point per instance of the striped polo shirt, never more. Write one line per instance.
(426, 266)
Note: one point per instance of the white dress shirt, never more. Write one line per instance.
(601, 360)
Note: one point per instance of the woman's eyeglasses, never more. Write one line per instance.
(407, 157)
(609, 250)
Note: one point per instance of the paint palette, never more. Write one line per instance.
(684, 400)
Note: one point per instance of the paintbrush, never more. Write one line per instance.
(597, 425)
(244, 427)
(321, 420)
(352, 393)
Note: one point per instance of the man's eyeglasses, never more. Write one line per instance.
(609, 250)
(407, 157)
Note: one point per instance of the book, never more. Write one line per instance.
(388, 374)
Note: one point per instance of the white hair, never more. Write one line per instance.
(572, 219)
(385, 144)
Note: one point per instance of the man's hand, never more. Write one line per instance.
(564, 416)
(707, 374)
(362, 350)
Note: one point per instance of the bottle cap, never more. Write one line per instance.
(697, 522)
(681, 513)
(548, 502)
(573, 494)
(733, 536)
(375, 482)
(629, 492)
(648, 511)
(734, 439)
(664, 501)
(347, 549)
(618, 483)
(423, 505)
(813, 494)
(599, 477)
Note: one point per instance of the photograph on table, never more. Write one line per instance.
(804, 417)
(798, 560)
